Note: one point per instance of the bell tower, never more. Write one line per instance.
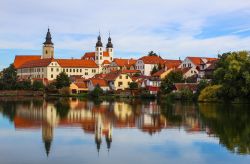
(99, 51)
(48, 47)
(110, 49)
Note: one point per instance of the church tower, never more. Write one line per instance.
(99, 51)
(48, 47)
(109, 49)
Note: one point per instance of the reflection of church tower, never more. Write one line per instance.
(109, 137)
(47, 132)
(98, 133)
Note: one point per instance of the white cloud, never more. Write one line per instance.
(167, 27)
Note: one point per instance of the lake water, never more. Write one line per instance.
(122, 132)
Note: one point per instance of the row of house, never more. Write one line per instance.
(101, 68)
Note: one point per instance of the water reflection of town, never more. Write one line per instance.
(100, 118)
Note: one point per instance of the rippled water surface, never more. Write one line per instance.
(126, 131)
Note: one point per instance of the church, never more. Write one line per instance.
(47, 67)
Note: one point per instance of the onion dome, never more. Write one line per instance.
(99, 42)
(109, 44)
(48, 38)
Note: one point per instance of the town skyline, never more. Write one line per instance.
(170, 29)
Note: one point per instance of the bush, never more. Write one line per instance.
(97, 91)
(133, 85)
(65, 91)
(51, 88)
(38, 86)
(210, 93)
(26, 85)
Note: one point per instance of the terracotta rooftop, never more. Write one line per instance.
(76, 63)
(172, 63)
(198, 60)
(89, 55)
(105, 62)
(37, 63)
(20, 60)
(152, 60)
(81, 84)
(131, 71)
(124, 62)
(100, 82)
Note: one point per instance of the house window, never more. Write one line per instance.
(76, 70)
(67, 70)
(93, 71)
(127, 77)
(86, 73)
(96, 58)
(70, 70)
(119, 83)
(80, 70)
(63, 70)
(120, 77)
(100, 58)
(57, 69)
(51, 69)
(73, 70)
(51, 76)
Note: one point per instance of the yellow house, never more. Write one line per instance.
(162, 73)
(78, 87)
(118, 80)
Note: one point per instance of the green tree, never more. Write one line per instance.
(9, 78)
(210, 93)
(233, 73)
(152, 53)
(133, 85)
(62, 80)
(26, 85)
(38, 86)
(167, 84)
(97, 91)
(154, 70)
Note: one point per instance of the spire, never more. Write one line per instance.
(47, 145)
(48, 39)
(99, 41)
(109, 45)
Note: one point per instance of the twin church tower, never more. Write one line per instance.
(99, 56)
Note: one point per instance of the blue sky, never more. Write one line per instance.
(174, 28)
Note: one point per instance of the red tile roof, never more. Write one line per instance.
(124, 62)
(183, 70)
(100, 82)
(105, 62)
(37, 63)
(198, 60)
(89, 55)
(112, 75)
(159, 72)
(20, 60)
(152, 60)
(172, 63)
(106, 54)
(77, 63)
(131, 71)
(81, 84)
